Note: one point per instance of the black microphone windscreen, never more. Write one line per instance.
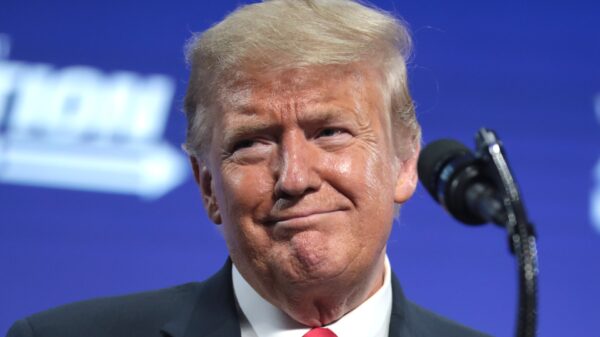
(432, 160)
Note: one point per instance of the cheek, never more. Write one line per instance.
(245, 191)
(366, 178)
(363, 175)
(245, 195)
(379, 175)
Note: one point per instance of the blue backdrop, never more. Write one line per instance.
(96, 198)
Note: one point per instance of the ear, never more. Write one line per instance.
(205, 182)
(407, 178)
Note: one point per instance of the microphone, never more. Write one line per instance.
(477, 188)
(458, 180)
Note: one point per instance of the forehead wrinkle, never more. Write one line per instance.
(262, 101)
(332, 101)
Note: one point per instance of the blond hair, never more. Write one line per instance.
(288, 34)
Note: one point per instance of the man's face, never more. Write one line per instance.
(303, 177)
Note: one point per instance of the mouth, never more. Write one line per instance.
(299, 220)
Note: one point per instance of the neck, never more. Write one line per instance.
(320, 303)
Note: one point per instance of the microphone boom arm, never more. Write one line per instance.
(520, 231)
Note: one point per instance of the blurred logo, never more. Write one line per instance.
(80, 128)
(4, 46)
(595, 198)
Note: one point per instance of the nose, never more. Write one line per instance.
(297, 172)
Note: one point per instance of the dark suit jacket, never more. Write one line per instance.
(204, 309)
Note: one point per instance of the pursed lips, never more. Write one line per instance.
(299, 217)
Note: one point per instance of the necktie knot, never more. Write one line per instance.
(320, 332)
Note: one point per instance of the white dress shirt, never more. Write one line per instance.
(262, 319)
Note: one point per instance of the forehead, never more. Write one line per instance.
(333, 89)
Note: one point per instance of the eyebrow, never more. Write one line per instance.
(335, 115)
(249, 123)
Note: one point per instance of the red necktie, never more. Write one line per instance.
(320, 332)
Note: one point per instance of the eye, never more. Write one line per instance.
(333, 138)
(330, 132)
(250, 148)
(243, 144)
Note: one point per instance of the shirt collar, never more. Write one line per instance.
(370, 319)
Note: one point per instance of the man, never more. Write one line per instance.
(302, 137)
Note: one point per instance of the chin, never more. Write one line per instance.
(311, 258)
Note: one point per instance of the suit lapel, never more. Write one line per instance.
(398, 322)
(210, 312)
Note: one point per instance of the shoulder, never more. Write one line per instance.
(427, 323)
(410, 319)
(140, 314)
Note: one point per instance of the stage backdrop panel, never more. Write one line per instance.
(97, 199)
